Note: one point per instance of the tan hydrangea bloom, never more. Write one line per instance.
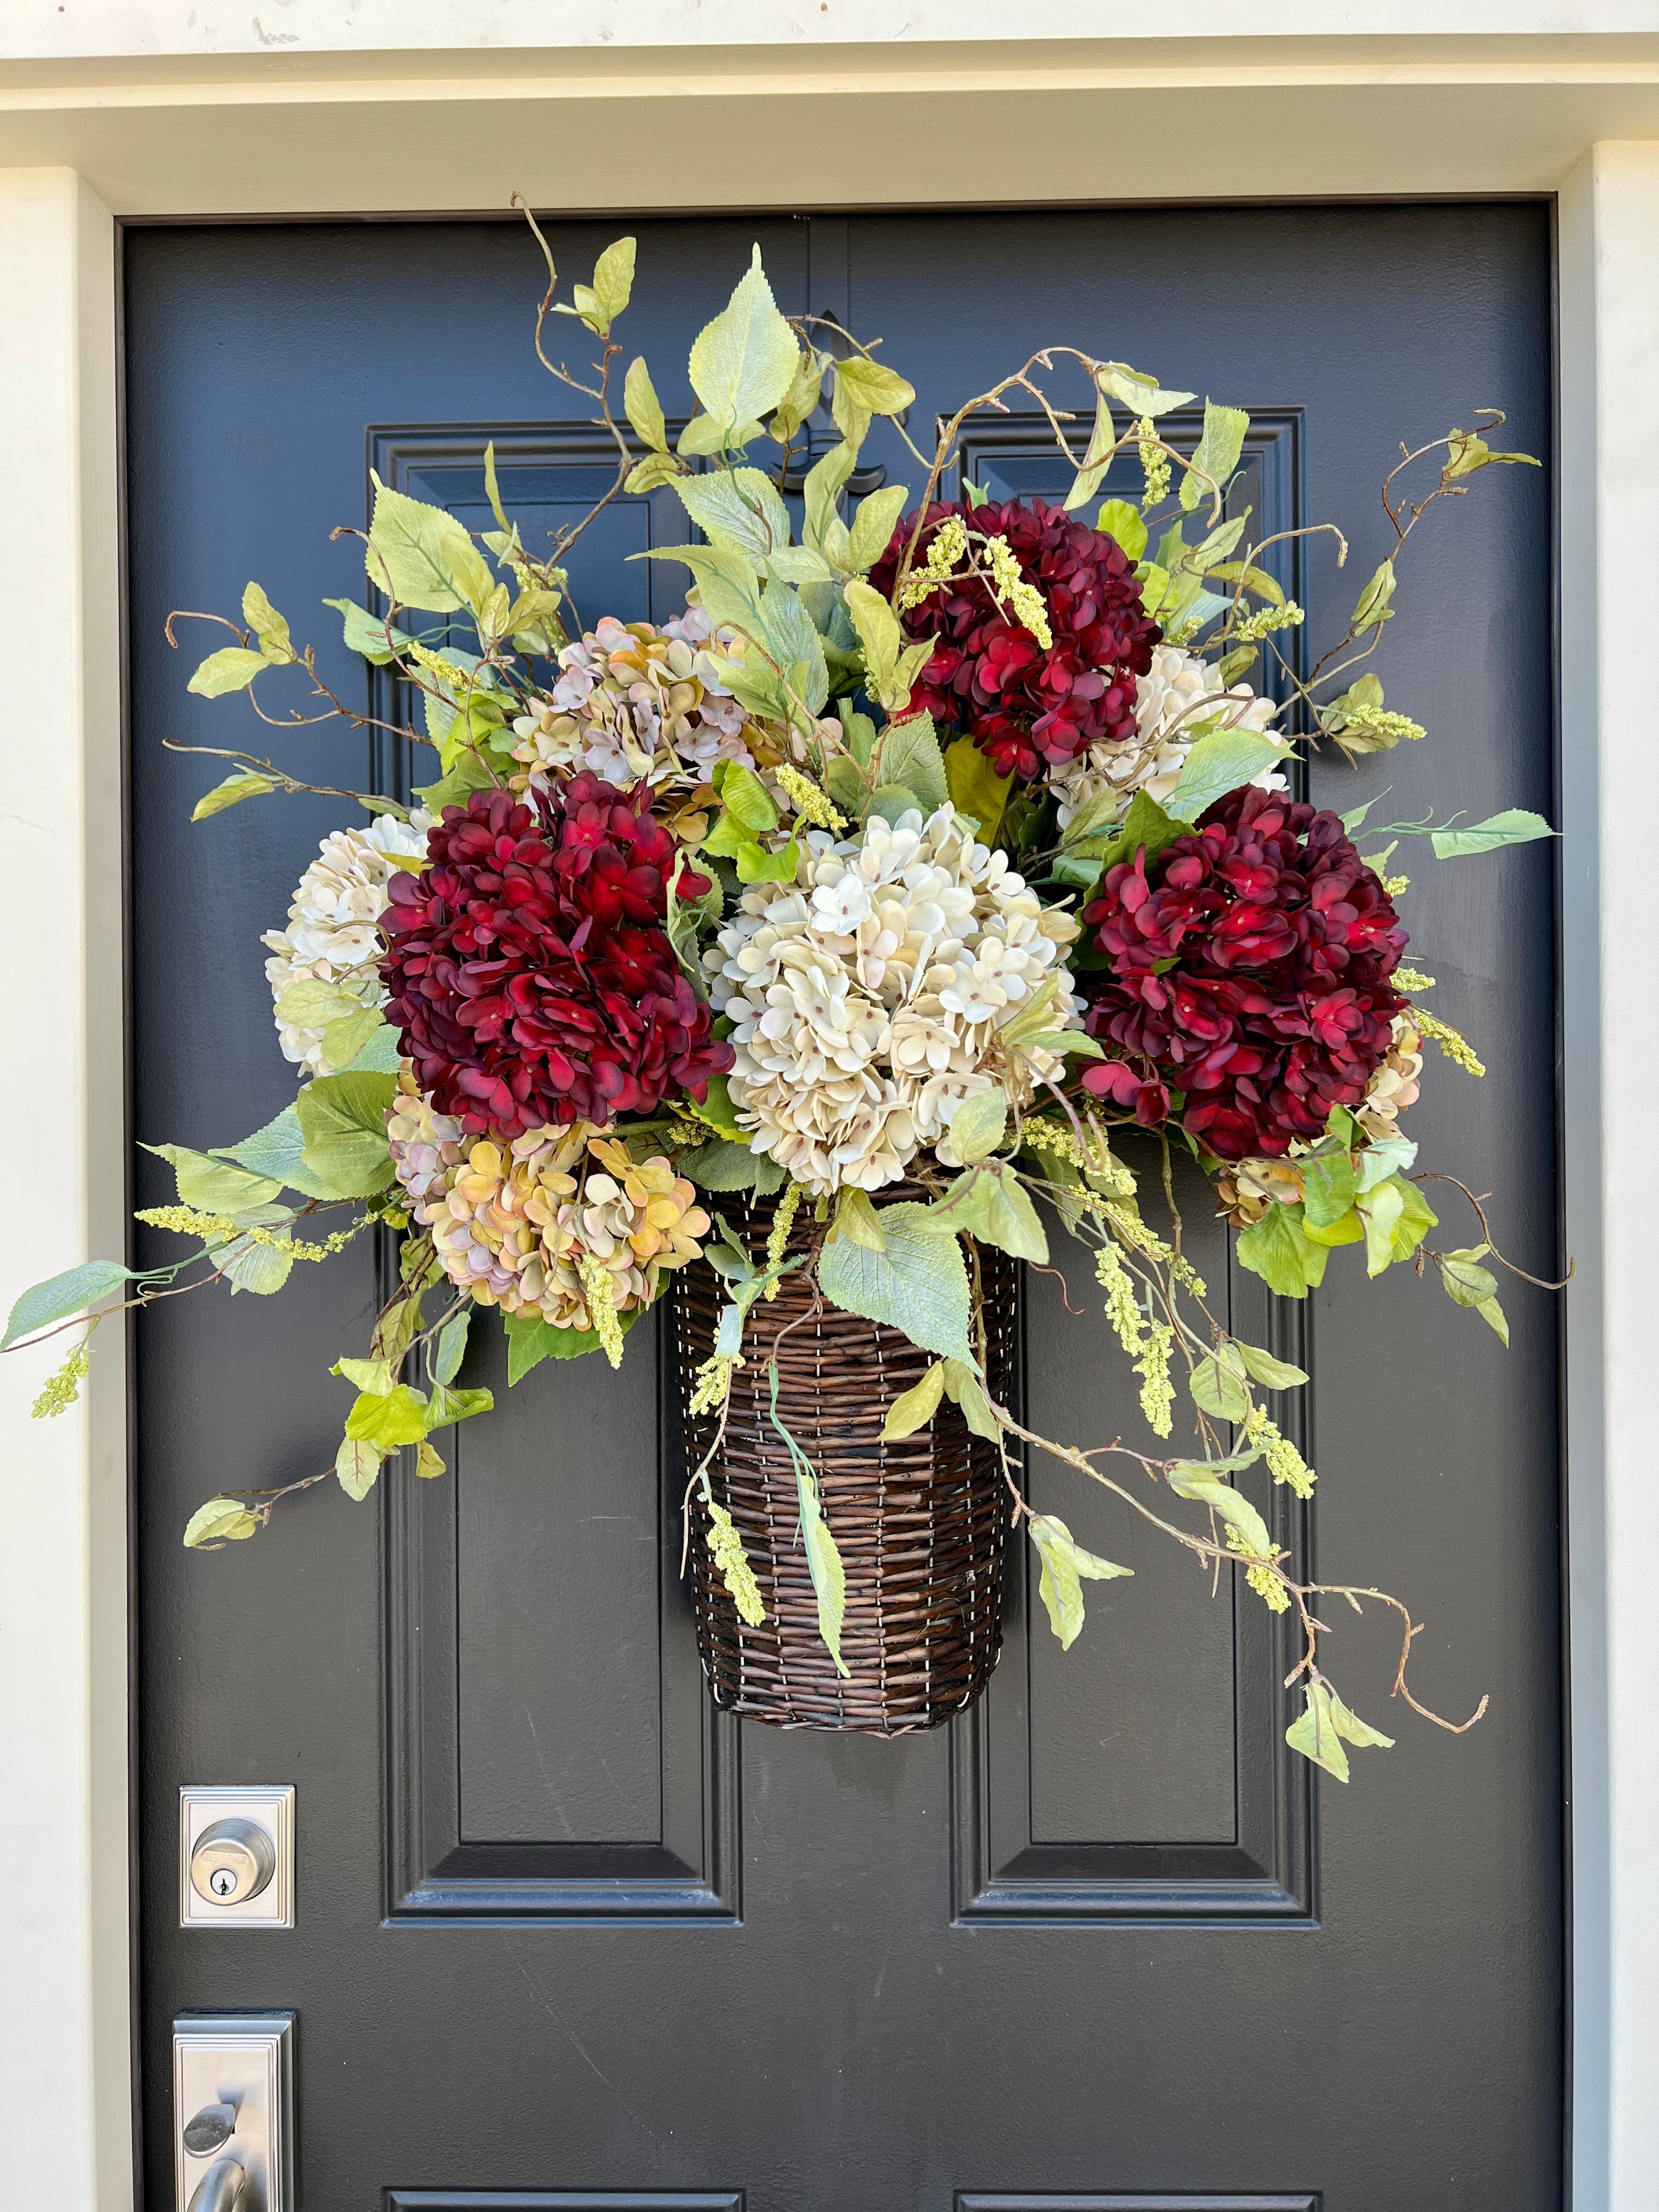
(514, 1222)
(1395, 1084)
(867, 996)
(1179, 697)
(333, 932)
(634, 702)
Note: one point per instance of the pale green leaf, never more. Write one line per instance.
(246, 783)
(989, 1202)
(962, 1388)
(1515, 826)
(357, 1463)
(913, 1408)
(342, 1118)
(451, 1348)
(745, 362)
(1198, 1479)
(1142, 395)
(910, 755)
(918, 1284)
(427, 1460)
(259, 1268)
(344, 1039)
(1278, 1248)
(855, 1217)
(1220, 761)
(875, 389)
(221, 1521)
(1315, 1734)
(215, 1186)
(740, 511)
(1119, 519)
(421, 557)
(873, 522)
(975, 789)
(1273, 1374)
(1217, 452)
(275, 1151)
(268, 626)
(613, 280)
(233, 668)
(376, 639)
(825, 481)
(977, 1125)
(1216, 1390)
(1372, 606)
(387, 1418)
(61, 1296)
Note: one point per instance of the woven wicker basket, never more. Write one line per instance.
(922, 1524)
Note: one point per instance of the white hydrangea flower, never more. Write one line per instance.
(333, 932)
(866, 997)
(1167, 711)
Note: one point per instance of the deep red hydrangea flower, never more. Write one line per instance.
(1249, 971)
(1027, 705)
(529, 967)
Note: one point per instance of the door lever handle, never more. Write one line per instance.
(219, 2187)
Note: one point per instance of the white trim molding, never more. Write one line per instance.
(65, 2019)
(1609, 401)
(150, 108)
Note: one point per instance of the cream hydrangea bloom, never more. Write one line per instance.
(1168, 713)
(333, 932)
(867, 997)
(633, 702)
(513, 1222)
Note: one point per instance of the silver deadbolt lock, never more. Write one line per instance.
(231, 1862)
(236, 1857)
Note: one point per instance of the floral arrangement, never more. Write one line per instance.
(939, 843)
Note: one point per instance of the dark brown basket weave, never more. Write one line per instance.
(920, 1523)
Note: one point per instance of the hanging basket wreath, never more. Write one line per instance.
(827, 950)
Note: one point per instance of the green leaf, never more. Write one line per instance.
(357, 1463)
(342, 1118)
(876, 389)
(387, 1418)
(649, 474)
(1467, 453)
(1346, 1229)
(530, 1339)
(756, 866)
(1273, 1374)
(451, 1348)
(60, 1295)
(1314, 1734)
(892, 802)
(469, 774)
(1466, 1283)
(268, 626)
(720, 1113)
(244, 784)
(613, 281)
(918, 1285)
(1220, 761)
(740, 511)
(913, 1408)
(643, 408)
(233, 668)
(260, 1268)
(275, 1152)
(1397, 1218)
(368, 634)
(746, 797)
(215, 1186)
(1356, 1730)
(1065, 1566)
(1278, 1250)
(1119, 519)
(221, 1521)
(977, 1125)
(372, 1376)
(856, 1218)
(1372, 606)
(343, 1039)
(1515, 826)
(788, 631)
(421, 557)
(873, 524)
(447, 1406)
(825, 481)
(1200, 1480)
(989, 1202)
(1140, 394)
(910, 755)
(1216, 1390)
(1493, 1314)
(974, 788)
(1145, 824)
(962, 1387)
(720, 1165)
(823, 1562)
(427, 1460)
(801, 398)
(745, 362)
(883, 640)
(1216, 454)
(1327, 1187)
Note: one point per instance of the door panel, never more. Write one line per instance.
(566, 1938)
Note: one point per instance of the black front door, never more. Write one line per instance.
(564, 1937)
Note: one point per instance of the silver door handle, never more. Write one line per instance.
(219, 2187)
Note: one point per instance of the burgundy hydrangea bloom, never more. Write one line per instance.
(529, 970)
(1251, 966)
(1026, 706)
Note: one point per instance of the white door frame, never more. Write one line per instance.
(122, 109)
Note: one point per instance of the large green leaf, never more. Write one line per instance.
(387, 1418)
(61, 1296)
(977, 1125)
(216, 1185)
(745, 362)
(1217, 452)
(1515, 826)
(1221, 761)
(741, 511)
(233, 668)
(918, 1284)
(1218, 1389)
(342, 1118)
(530, 1339)
(989, 1203)
(1278, 1250)
(910, 755)
(422, 557)
(790, 635)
